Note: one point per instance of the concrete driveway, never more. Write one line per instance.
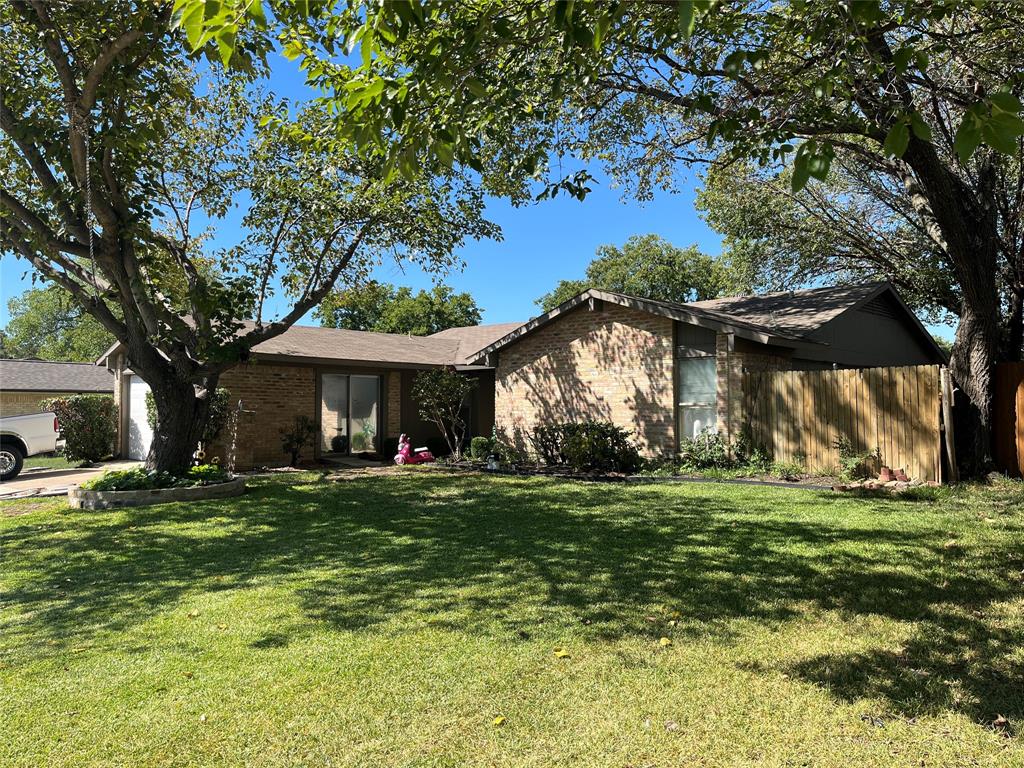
(43, 481)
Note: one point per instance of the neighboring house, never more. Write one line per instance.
(355, 386)
(665, 370)
(24, 384)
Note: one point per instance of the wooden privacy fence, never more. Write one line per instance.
(799, 415)
(1008, 418)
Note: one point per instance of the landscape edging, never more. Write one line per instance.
(80, 498)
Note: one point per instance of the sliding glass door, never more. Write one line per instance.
(364, 393)
(349, 412)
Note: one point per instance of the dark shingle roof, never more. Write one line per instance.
(51, 376)
(472, 338)
(449, 347)
(303, 341)
(795, 312)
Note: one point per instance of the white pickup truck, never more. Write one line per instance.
(24, 436)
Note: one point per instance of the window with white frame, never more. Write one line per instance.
(696, 396)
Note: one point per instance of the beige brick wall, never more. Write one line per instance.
(275, 394)
(393, 388)
(21, 403)
(613, 364)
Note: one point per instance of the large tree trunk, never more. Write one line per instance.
(967, 226)
(971, 365)
(182, 407)
(181, 420)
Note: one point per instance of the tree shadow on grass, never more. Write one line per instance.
(470, 551)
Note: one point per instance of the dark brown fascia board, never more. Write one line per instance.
(337, 361)
(302, 360)
(704, 318)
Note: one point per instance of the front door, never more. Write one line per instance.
(349, 413)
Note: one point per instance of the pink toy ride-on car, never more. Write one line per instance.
(409, 455)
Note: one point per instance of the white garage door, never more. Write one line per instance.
(140, 435)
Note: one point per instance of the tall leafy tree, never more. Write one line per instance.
(115, 160)
(932, 89)
(651, 267)
(46, 323)
(859, 225)
(385, 308)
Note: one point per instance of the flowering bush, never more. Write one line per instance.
(88, 423)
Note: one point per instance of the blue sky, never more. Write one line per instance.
(543, 243)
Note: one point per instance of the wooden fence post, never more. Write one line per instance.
(947, 423)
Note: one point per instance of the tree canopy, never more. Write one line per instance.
(47, 324)
(651, 267)
(386, 308)
(121, 152)
(928, 93)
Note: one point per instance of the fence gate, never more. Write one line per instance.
(1008, 418)
(799, 415)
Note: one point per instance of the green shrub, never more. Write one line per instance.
(855, 464)
(89, 425)
(141, 479)
(298, 437)
(547, 442)
(508, 453)
(599, 445)
(220, 410)
(788, 470)
(708, 450)
(480, 447)
(584, 445)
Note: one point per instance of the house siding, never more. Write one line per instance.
(610, 363)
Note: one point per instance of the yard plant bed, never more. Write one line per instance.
(141, 487)
(82, 498)
(429, 618)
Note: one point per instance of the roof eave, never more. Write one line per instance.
(694, 316)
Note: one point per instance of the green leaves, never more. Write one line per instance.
(217, 21)
(813, 160)
(996, 123)
(897, 139)
(687, 19)
(968, 135)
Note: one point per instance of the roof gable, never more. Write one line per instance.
(787, 318)
(470, 338)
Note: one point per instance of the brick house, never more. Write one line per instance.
(660, 369)
(24, 384)
(354, 385)
(666, 370)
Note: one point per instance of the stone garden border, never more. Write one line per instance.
(79, 498)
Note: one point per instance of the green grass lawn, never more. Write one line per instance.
(387, 620)
(49, 462)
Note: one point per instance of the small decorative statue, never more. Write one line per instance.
(409, 455)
